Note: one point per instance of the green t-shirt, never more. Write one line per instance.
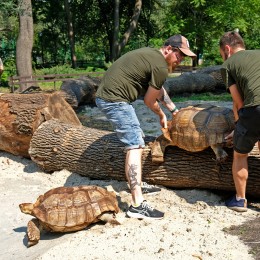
(130, 76)
(243, 69)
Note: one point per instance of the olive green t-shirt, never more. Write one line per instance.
(243, 69)
(130, 76)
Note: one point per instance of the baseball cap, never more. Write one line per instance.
(180, 42)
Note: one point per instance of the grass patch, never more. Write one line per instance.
(207, 96)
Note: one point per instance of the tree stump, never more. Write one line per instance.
(98, 154)
(21, 115)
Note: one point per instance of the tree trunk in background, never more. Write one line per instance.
(99, 155)
(22, 114)
(116, 46)
(25, 41)
(70, 34)
(116, 31)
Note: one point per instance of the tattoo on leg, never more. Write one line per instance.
(132, 176)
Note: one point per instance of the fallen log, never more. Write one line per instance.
(204, 80)
(98, 154)
(80, 91)
(21, 115)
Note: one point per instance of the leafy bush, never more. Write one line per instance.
(65, 69)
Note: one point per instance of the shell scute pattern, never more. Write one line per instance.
(67, 209)
(196, 128)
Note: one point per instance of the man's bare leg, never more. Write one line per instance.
(133, 170)
(240, 173)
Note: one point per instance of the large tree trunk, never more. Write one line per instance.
(204, 80)
(70, 34)
(98, 154)
(117, 47)
(25, 41)
(21, 115)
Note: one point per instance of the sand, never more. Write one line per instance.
(194, 226)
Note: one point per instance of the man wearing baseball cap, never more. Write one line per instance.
(179, 42)
(140, 72)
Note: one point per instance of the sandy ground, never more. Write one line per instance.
(193, 228)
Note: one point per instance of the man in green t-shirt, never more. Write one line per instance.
(141, 72)
(241, 74)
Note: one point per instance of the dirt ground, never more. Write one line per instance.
(197, 224)
(248, 232)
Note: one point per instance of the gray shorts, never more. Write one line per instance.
(125, 122)
(247, 130)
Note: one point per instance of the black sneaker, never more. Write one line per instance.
(147, 188)
(144, 211)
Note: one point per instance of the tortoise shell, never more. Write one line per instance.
(197, 127)
(73, 208)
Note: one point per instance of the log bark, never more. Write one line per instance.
(21, 115)
(98, 154)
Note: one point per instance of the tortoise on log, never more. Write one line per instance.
(66, 209)
(21, 115)
(196, 128)
(98, 154)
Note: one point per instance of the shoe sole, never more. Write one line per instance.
(140, 216)
(238, 209)
(147, 193)
(151, 193)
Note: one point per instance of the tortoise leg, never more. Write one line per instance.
(33, 232)
(158, 147)
(221, 155)
(109, 218)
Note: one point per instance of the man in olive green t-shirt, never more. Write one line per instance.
(241, 74)
(138, 73)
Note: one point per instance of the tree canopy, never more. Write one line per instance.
(70, 31)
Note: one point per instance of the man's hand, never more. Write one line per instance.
(163, 121)
(175, 113)
(230, 136)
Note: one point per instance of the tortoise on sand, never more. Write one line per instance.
(66, 209)
(196, 128)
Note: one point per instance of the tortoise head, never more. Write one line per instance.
(26, 208)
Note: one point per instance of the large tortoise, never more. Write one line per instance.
(66, 209)
(196, 128)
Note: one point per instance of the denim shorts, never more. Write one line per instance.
(247, 130)
(124, 121)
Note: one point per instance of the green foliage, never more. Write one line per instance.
(63, 69)
(198, 3)
(207, 96)
(66, 69)
(9, 70)
(201, 21)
